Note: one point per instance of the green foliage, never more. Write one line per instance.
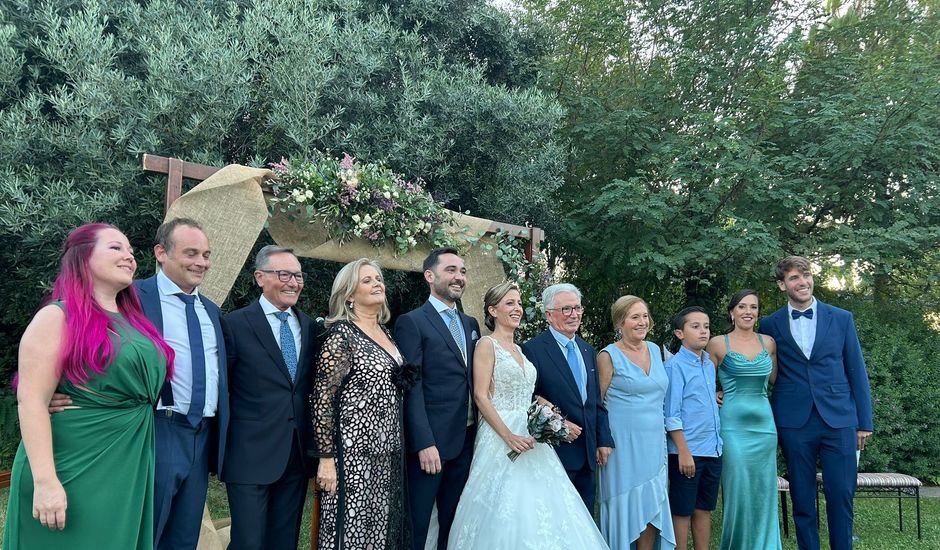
(902, 353)
(711, 138)
(438, 90)
(532, 277)
(9, 430)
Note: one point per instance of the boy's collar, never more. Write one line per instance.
(701, 356)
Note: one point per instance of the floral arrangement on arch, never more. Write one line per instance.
(364, 200)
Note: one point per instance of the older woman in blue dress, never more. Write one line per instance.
(634, 499)
(746, 364)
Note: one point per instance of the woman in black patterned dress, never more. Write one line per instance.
(357, 418)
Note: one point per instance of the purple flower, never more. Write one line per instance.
(373, 236)
(347, 162)
(387, 204)
(280, 167)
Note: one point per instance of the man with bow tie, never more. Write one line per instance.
(821, 403)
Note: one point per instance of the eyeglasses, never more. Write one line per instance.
(568, 310)
(285, 276)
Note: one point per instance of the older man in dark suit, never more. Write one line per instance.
(271, 351)
(440, 423)
(567, 377)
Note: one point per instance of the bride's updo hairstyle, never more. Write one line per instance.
(493, 297)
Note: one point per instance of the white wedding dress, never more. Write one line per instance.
(529, 503)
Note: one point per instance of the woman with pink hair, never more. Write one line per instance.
(84, 479)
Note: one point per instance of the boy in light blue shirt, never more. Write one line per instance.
(692, 423)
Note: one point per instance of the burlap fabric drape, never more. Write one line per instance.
(232, 208)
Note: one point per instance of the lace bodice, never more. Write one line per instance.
(513, 384)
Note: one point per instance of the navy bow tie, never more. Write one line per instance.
(796, 314)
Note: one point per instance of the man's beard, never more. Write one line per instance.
(447, 292)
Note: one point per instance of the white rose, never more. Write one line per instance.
(300, 198)
(407, 232)
(555, 425)
(367, 219)
(387, 195)
(356, 218)
(309, 194)
(395, 194)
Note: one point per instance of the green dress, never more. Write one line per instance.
(104, 457)
(749, 454)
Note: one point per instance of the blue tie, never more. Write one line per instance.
(455, 332)
(575, 367)
(197, 400)
(796, 314)
(288, 346)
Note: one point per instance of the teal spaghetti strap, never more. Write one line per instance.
(760, 338)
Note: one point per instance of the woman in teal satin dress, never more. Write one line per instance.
(746, 365)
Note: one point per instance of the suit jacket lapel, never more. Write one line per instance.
(262, 329)
(220, 340)
(467, 333)
(823, 319)
(150, 302)
(783, 328)
(561, 362)
(435, 319)
(588, 365)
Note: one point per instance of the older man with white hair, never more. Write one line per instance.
(567, 377)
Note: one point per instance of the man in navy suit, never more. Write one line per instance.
(192, 414)
(821, 403)
(440, 423)
(271, 349)
(567, 377)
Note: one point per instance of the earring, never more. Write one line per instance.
(351, 304)
(619, 333)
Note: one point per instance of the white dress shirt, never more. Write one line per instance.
(803, 329)
(176, 334)
(269, 310)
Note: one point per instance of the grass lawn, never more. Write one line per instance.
(876, 522)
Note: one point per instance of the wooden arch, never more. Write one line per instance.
(230, 203)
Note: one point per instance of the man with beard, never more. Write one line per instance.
(439, 415)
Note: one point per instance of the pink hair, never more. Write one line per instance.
(87, 345)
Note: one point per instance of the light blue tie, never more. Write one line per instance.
(575, 367)
(288, 347)
(455, 332)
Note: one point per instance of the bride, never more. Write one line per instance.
(529, 503)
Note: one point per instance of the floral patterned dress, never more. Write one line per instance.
(357, 420)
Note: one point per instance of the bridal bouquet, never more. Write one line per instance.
(546, 425)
